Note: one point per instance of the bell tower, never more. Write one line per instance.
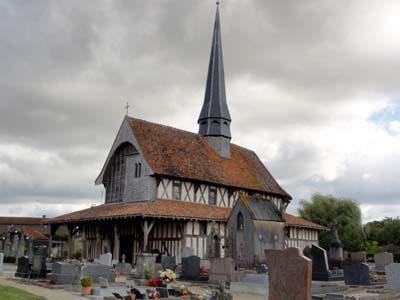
(215, 120)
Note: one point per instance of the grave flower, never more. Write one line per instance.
(167, 276)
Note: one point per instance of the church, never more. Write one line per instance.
(167, 189)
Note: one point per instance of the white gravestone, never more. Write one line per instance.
(381, 260)
(106, 259)
(393, 276)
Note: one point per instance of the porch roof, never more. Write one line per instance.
(160, 208)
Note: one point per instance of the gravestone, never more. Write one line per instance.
(289, 275)
(65, 273)
(38, 268)
(1, 263)
(393, 276)
(190, 267)
(23, 267)
(187, 251)
(358, 257)
(320, 267)
(96, 271)
(123, 268)
(168, 262)
(145, 261)
(336, 255)
(222, 270)
(382, 260)
(106, 259)
(357, 274)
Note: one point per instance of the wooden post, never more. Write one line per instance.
(98, 243)
(70, 240)
(116, 243)
(85, 243)
(146, 227)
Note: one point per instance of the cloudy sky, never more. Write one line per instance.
(312, 86)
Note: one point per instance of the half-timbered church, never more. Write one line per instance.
(167, 189)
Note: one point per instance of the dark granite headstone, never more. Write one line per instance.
(65, 273)
(168, 262)
(289, 275)
(190, 268)
(23, 267)
(320, 267)
(357, 274)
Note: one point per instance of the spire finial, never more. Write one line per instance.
(217, 3)
(127, 108)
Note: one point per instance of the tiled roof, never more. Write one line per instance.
(300, 222)
(181, 154)
(20, 221)
(160, 208)
(261, 209)
(34, 234)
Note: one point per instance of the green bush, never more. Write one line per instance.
(86, 281)
(147, 274)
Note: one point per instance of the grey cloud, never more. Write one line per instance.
(68, 67)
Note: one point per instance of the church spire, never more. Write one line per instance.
(214, 119)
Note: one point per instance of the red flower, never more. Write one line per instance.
(155, 282)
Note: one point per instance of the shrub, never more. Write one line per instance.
(86, 281)
(147, 273)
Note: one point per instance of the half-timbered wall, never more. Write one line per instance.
(198, 240)
(301, 237)
(200, 193)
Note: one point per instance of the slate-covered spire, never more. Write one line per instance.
(214, 119)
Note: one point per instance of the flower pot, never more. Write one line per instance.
(86, 290)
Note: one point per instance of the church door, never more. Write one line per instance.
(126, 247)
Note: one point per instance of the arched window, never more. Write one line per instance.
(115, 174)
(240, 222)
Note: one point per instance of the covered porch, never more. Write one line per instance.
(130, 229)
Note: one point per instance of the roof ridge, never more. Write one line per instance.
(185, 131)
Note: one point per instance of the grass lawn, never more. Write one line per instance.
(10, 293)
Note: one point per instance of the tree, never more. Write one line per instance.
(328, 210)
(385, 232)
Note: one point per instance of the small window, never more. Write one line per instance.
(138, 170)
(240, 222)
(203, 228)
(212, 195)
(215, 121)
(176, 190)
